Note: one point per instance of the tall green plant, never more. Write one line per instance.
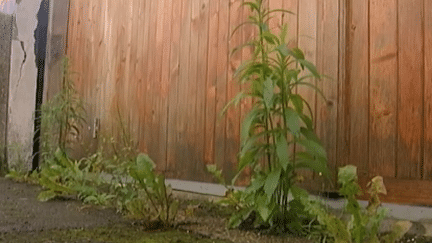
(62, 116)
(278, 119)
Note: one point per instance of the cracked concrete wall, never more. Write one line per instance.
(5, 52)
(22, 85)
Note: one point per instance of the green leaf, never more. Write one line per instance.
(252, 5)
(296, 53)
(143, 168)
(264, 27)
(299, 193)
(297, 101)
(256, 184)
(318, 165)
(217, 173)
(54, 186)
(272, 182)
(62, 159)
(268, 90)
(310, 67)
(293, 120)
(313, 148)
(262, 207)
(234, 102)
(247, 123)
(347, 174)
(46, 195)
(310, 135)
(282, 151)
(248, 158)
(173, 209)
(237, 218)
(283, 50)
(270, 38)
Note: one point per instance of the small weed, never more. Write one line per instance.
(363, 225)
(157, 203)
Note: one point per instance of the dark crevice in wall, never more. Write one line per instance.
(40, 53)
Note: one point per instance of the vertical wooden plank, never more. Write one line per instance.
(307, 42)
(142, 88)
(248, 32)
(342, 146)
(149, 76)
(327, 64)
(233, 114)
(203, 31)
(165, 85)
(276, 21)
(151, 82)
(383, 87)
(130, 111)
(410, 97)
(191, 129)
(427, 170)
(292, 21)
(358, 99)
(100, 55)
(181, 145)
(210, 101)
(136, 44)
(173, 87)
(221, 85)
(155, 148)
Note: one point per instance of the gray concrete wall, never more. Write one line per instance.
(5, 52)
(22, 85)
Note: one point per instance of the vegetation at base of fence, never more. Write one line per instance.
(362, 225)
(62, 117)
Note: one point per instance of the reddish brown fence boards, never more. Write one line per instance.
(164, 68)
(387, 94)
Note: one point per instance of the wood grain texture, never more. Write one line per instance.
(327, 64)
(210, 89)
(165, 66)
(165, 80)
(291, 20)
(232, 147)
(410, 97)
(307, 42)
(173, 88)
(201, 92)
(191, 112)
(221, 84)
(248, 32)
(182, 145)
(358, 71)
(383, 87)
(158, 124)
(427, 167)
(343, 128)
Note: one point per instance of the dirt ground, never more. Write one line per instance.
(21, 212)
(22, 215)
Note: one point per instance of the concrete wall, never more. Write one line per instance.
(5, 51)
(22, 85)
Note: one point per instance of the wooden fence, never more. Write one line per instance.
(164, 67)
